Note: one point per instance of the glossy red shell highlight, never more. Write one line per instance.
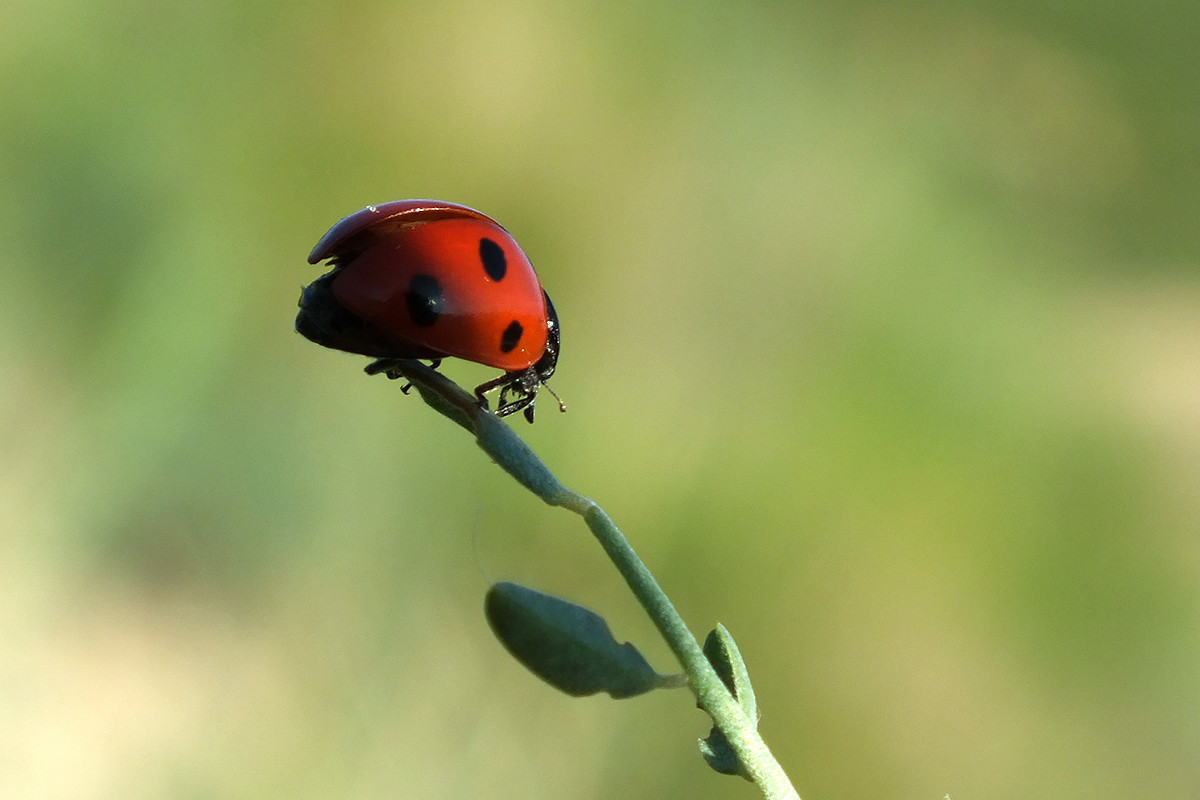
(358, 230)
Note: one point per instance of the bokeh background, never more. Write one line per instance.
(881, 343)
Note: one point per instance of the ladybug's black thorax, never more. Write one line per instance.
(549, 360)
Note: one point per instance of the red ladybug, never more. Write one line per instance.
(428, 279)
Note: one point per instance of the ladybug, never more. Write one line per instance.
(426, 279)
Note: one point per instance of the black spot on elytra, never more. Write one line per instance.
(424, 300)
(492, 256)
(511, 336)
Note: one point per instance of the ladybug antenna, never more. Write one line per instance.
(561, 405)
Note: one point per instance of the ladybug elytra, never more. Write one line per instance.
(425, 279)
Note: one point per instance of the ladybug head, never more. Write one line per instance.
(549, 360)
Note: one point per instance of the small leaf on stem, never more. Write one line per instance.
(722, 652)
(567, 645)
(719, 755)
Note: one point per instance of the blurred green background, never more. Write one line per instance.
(880, 342)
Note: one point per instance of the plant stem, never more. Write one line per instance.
(512, 454)
(742, 733)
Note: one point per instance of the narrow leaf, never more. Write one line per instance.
(567, 645)
(722, 652)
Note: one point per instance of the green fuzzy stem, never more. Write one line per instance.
(714, 698)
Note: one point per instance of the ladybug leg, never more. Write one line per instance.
(524, 402)
(523, 384)
(482, 389)
(387, 366)
(525, 399)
